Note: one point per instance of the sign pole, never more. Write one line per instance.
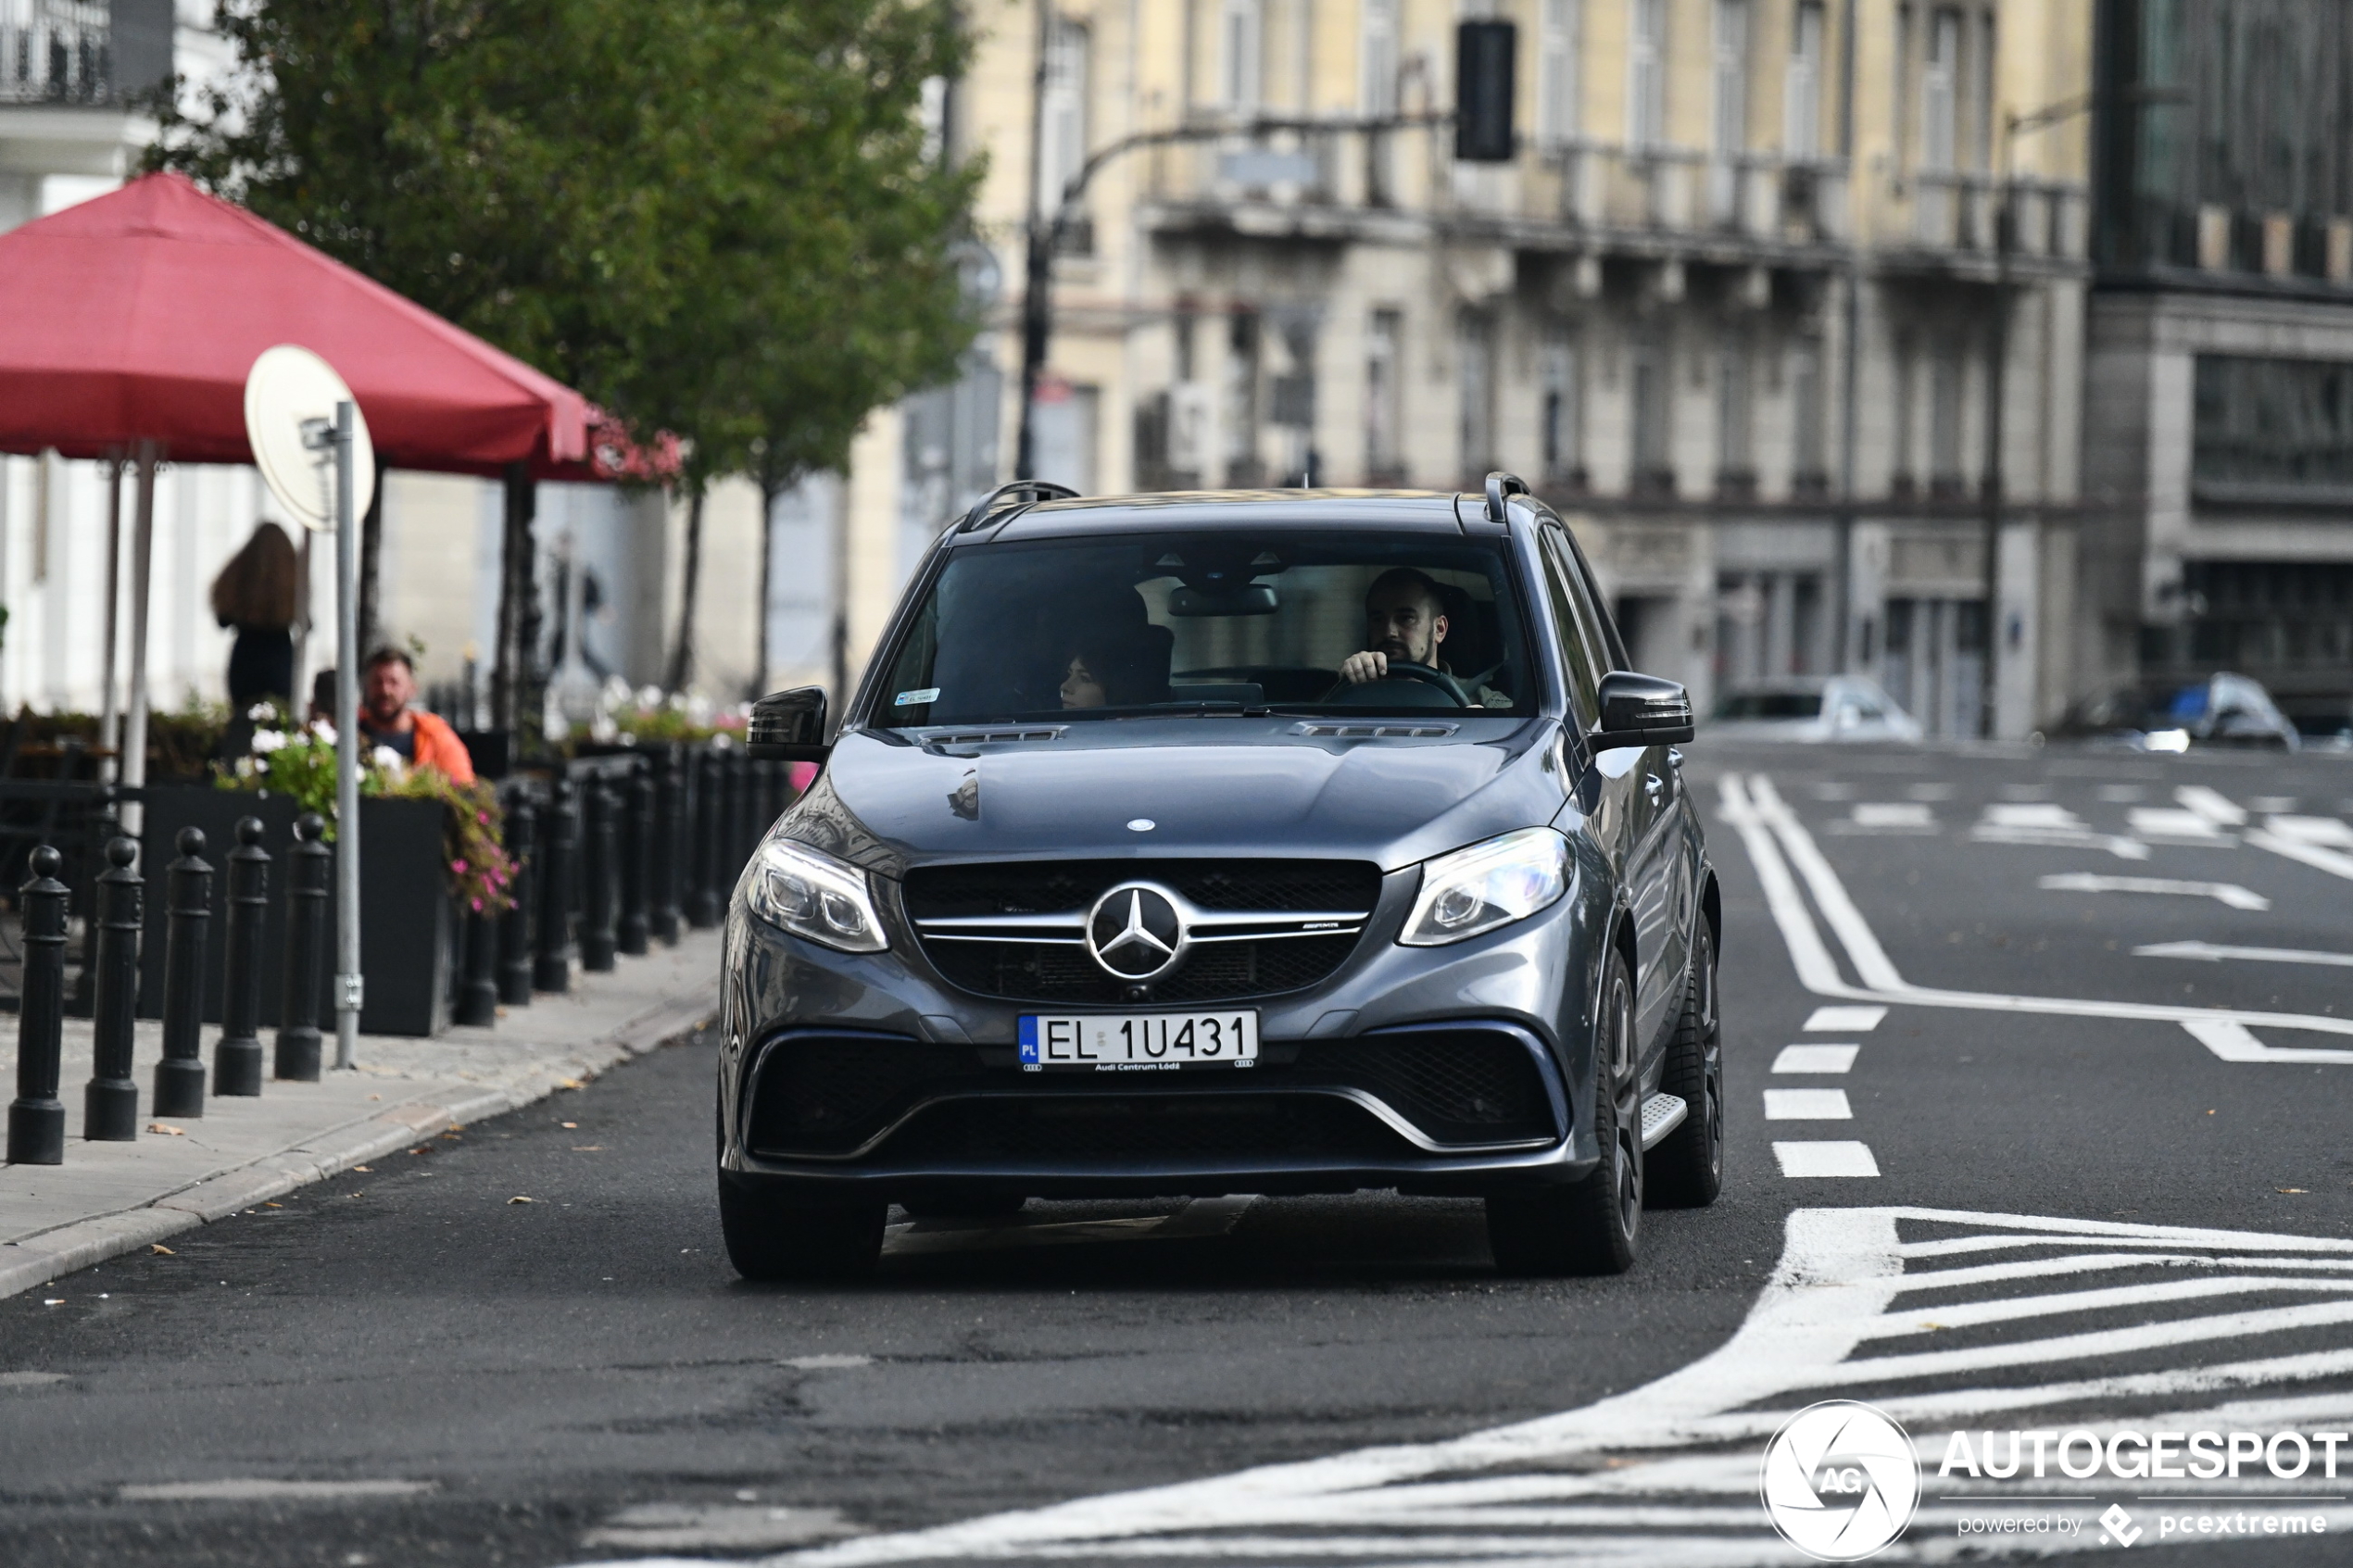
(349, 983)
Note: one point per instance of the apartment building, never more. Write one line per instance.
(1731, 306)
(2220, 435)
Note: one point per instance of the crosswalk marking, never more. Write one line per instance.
(1816, 1058)
(1828, 1158)
(2229, 892)
(1852, 1311)
(1807, 1105)
(1845, 1020)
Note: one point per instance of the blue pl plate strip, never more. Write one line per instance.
(1029, 1039)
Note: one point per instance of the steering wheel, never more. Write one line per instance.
(1399, 669)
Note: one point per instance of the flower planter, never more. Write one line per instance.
(406, 923)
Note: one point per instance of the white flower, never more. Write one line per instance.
(259, 711)
(245, 767)
(324, 730)
(602, 729)
(269, 740)
(388, 760)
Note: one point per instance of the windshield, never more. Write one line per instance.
(1149, 624)
(1769, 705)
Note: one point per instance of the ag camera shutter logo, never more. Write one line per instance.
(1841, 1481)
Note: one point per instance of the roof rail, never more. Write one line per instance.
(1500, 485)
(1037, 489)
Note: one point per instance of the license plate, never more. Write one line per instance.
(1139, 1042)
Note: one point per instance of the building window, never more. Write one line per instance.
(1652, 394)
(1564, 455)
(1944, 379)
(1939, 95)
(1731, 126)
(1802, 86)
(1062, 147)
(1904, 472)
(1240, 416)
(1735, 462)
(1556, 64)
(1809, 460)
(1474, 356)
(1384, 458)
(1379, 94)
(1646, 75)
(1241, 54)
(2272, 430)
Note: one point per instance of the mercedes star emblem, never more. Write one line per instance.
(1134, 933)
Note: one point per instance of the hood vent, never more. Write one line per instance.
(992, 738)
(1329, 731)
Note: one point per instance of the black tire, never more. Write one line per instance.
(1592, 1226)
(772, 1238)
(1687, 1168)
(965, 1206)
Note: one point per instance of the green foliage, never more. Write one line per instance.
(715, 217)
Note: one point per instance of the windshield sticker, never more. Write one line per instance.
(914, 699)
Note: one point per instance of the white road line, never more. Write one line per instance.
(1816, 1058)
(1807, 1105)
(1749, 817)
(2326, 832)
(2170, 824)
(1826, 1158)
(2231, 1040)
(2212, 952)
(1888, 816)
(2229, 892)
(2212, 805)
(263, 1489)
(1845, 1021)
(2333, 861)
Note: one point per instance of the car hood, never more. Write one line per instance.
(1247, 788)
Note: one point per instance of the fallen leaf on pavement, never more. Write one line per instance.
(523, 1200)
(167, 1129)
(567, 1082)
(365, 1170)
(160, 1251)
(267, 1204)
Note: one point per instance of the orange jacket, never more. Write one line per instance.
(438, 746)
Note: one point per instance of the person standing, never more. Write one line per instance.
(254, 594)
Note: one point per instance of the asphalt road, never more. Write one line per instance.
(410, 1365)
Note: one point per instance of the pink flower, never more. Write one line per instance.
(457, 866)
(477, 906)
(483, 817)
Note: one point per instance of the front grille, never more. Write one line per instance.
(1457, 1086)
(1054, 966)
(1161, 1129)
(827, 1095)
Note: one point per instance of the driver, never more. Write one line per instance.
(1405, 621)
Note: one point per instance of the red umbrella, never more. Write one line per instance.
(135, 317)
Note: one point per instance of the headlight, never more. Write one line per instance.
(812, 895)
(1486, 885)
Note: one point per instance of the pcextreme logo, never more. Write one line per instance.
(1841, 1481)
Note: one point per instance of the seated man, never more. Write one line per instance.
(387, 686)
(1405, 621)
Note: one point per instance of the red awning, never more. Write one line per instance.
(135, 317)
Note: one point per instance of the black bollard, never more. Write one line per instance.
(309, 871)
(668, 861)
(560, 850)
(111, 1103)
(748, 824)
(478, 988)
(599, 863)
(236, 1056)
(637, 860)
(37, 1118)
(515, 926)
(187, 930)
(709, 824)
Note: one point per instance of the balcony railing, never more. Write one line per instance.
(56, 52)
(1955, 211)
(1761, 197)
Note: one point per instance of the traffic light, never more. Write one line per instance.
(1483, 77)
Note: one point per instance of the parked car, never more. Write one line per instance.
(2221, 710)
(2322, 723)
(1131, 870)
(1812, 708)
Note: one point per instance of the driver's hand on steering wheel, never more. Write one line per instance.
(1359, 668)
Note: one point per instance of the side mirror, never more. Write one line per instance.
(789, 726)
(1641, 710)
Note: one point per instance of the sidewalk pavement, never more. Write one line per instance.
(112, 1197)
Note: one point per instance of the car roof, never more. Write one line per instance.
(1418, 511)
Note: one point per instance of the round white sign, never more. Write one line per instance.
(1841, 1481)
(290, 421)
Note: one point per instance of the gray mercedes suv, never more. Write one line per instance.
(1274, 842)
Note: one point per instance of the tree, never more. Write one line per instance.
(714, 218)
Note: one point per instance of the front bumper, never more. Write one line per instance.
(1361, 1083)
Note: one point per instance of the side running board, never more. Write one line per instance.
(1661, 1115)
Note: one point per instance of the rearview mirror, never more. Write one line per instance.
(1641, 710)
(789, 726)
(1245, 598)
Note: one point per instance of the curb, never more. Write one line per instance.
(47, 1255)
